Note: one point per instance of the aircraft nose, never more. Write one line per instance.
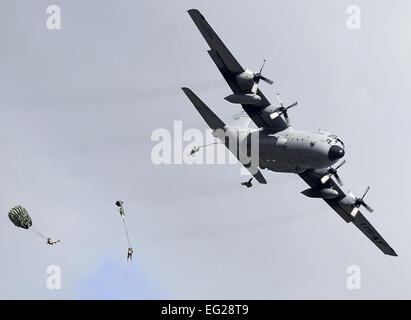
(335, 153)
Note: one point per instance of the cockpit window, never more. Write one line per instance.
(334, 137)
(340, 141)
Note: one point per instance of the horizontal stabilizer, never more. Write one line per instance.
(209, 116)
(216, 123)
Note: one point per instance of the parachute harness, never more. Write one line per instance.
(36, 231)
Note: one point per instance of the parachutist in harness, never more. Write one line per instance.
(197, 148)
(247, 184)
(51, 242)
(194, 150)
(123, 216)
(120, 204)
(130, 254)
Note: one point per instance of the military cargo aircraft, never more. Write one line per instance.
(280, 148)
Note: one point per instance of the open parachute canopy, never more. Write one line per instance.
(20, 217)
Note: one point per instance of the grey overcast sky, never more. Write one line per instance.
(79, 105)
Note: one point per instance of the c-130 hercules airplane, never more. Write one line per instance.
(280, 147)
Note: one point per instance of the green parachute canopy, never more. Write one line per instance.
(20, 217)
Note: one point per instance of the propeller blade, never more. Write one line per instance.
(269, 81)
(340, 165)
(366, 206)
(351, 194)
(279, 100)
(292, 105)
(337, 177)
(287, 120)
(366, 191)
(261, 69)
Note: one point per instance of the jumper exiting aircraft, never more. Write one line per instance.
(310, 154)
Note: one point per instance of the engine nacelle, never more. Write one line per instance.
(326, 193)
(248, 98)
(246, 75)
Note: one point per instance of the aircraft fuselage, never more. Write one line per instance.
(290, 150)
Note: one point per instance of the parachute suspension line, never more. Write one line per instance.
(197, 147)
(36, 231)
(125, 227)
(209, 144)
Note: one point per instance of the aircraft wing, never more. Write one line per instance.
(216, 123)
(314, 181)
(230, 68)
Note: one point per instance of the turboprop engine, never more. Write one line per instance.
(253, 78)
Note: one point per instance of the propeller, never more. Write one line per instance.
(360, 202)
(258, 76)
(281, 110)
(333, 172)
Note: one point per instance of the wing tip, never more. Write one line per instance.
(193, 12)
(393, 253)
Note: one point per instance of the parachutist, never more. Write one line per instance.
(122, 213)
(248, 183)
(51, 242)
(194, 150)
(120, 204)
(130, 250)
(130, 254)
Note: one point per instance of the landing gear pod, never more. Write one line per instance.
(248, 98)
(326, 193)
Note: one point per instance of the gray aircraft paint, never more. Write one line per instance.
(74, 139)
